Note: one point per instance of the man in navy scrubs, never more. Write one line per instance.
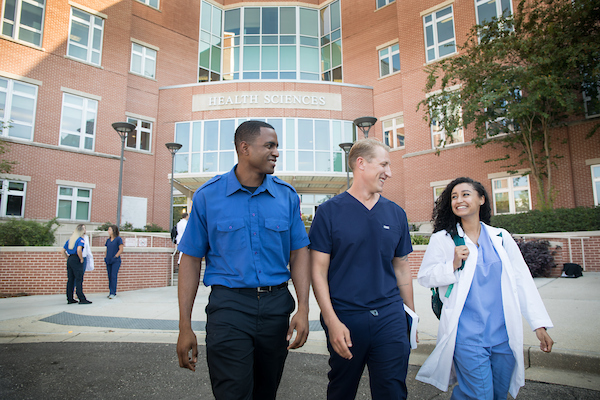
(248, 226)
(359, 247)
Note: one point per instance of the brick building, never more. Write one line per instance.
(189, 71)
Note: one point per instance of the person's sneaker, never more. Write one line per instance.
(85, 302)
(112, 296)
(72, 301)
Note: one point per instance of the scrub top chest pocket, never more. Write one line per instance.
(231, 236)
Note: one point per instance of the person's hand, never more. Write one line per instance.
(187, 342)
(299, 322)
(545, 341)
(339, 337)
(460, 254)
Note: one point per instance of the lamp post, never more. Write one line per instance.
(123, 129)
(173, 148)
(365, 124)
(346, 147)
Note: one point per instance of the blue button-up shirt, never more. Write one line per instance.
(245, 237)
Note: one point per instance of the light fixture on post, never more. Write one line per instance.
(365, 124)
(123, 129)
(173, 148)
(346, 147)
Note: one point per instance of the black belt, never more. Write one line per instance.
(258, 290)
(73, 255)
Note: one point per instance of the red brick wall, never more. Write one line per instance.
(29, 270)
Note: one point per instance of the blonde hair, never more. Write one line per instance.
(364, 148)
(79, 232)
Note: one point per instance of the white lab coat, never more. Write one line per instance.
(87, 252)
(519, 295)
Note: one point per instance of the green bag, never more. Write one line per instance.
(436, 302)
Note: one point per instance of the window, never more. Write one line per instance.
(440, 138)
(78, 122)
(273, 42)
(307, 145)
(12, 198)
(143, 60)
(439, 34)
(393, 132)
(389, 60)
(151, 3)
(85, 37)
(591, 103)
(511, 195)
(383, 3)
(596, 183)
(310, 202)
(140, 138)
(488, 9)
(437, 192)
(17, 108)
(23, 20)
(74, 203)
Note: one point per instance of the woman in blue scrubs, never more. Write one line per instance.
(114, 248)
(485, 286)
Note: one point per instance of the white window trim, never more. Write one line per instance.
(586, 99)
(594, 180)
(510, 190)
(394, 140)
(144, 57)
(498, 9)
(8, 108)
(89, 49)
(389, 57)
(147, 3)
(17, 24)
(88, 10)
(138, 139)
(6, 192)
(387, 3)
(74, 198)
(433, 23)
(82, 134)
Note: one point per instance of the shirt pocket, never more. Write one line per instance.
(389, 239)
(231, 236)
(277, 235)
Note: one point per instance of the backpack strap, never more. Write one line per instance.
(458, 241)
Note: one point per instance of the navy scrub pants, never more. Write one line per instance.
(379, 341)
(75, 278)
(246, 344)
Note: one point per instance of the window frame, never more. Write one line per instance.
(17, 26)
(595, 184)
(145, 56)
(434, 24)
(393, 142)
(386, 3)
(8, 107)
(510, 190)
(91, 26)
(139, 129)
(74, 199)
(587, 100)
(498, 5)
(5, 192)
(147, 2)
(83, 123)
(389, 56)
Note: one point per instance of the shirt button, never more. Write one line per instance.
(230, 227)
(254, 233)
(253, 214)
(277, 226)
(256, 252)
(260, 272)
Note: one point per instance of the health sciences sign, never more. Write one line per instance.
(305, 100)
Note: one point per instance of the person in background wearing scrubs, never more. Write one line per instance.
(480, 335)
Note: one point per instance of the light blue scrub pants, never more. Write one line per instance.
(483, 373)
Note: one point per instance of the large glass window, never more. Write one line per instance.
(596, 183)
(591, 102)
(439, 34)
(12, 198)
(151, 3)
(24, 20)
(78, 122)
(393, 132)
(74, 203)
(389, 60)
(143, 60)
(17, 108)
(270, 43)
(382, 3)
(511, 195)
(439, 136)
(141, 138)
(488, 9)
(85, 36)
(306, 145)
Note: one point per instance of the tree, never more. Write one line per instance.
(516, 79)
(5, 165)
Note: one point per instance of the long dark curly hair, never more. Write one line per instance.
(444, 218)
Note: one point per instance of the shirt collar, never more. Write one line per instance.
(233, 185)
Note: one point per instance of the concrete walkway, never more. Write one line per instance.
(151, 316)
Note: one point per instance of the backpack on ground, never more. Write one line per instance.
(174, 234)
(572, 270)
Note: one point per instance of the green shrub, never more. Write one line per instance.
(104, 226)
(538, 256)
(559, 220)
(418, 239)
(18, 232)
(154, 228)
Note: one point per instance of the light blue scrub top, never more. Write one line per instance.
(482, 320)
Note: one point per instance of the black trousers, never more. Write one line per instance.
(75, 277)
(246, 344)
